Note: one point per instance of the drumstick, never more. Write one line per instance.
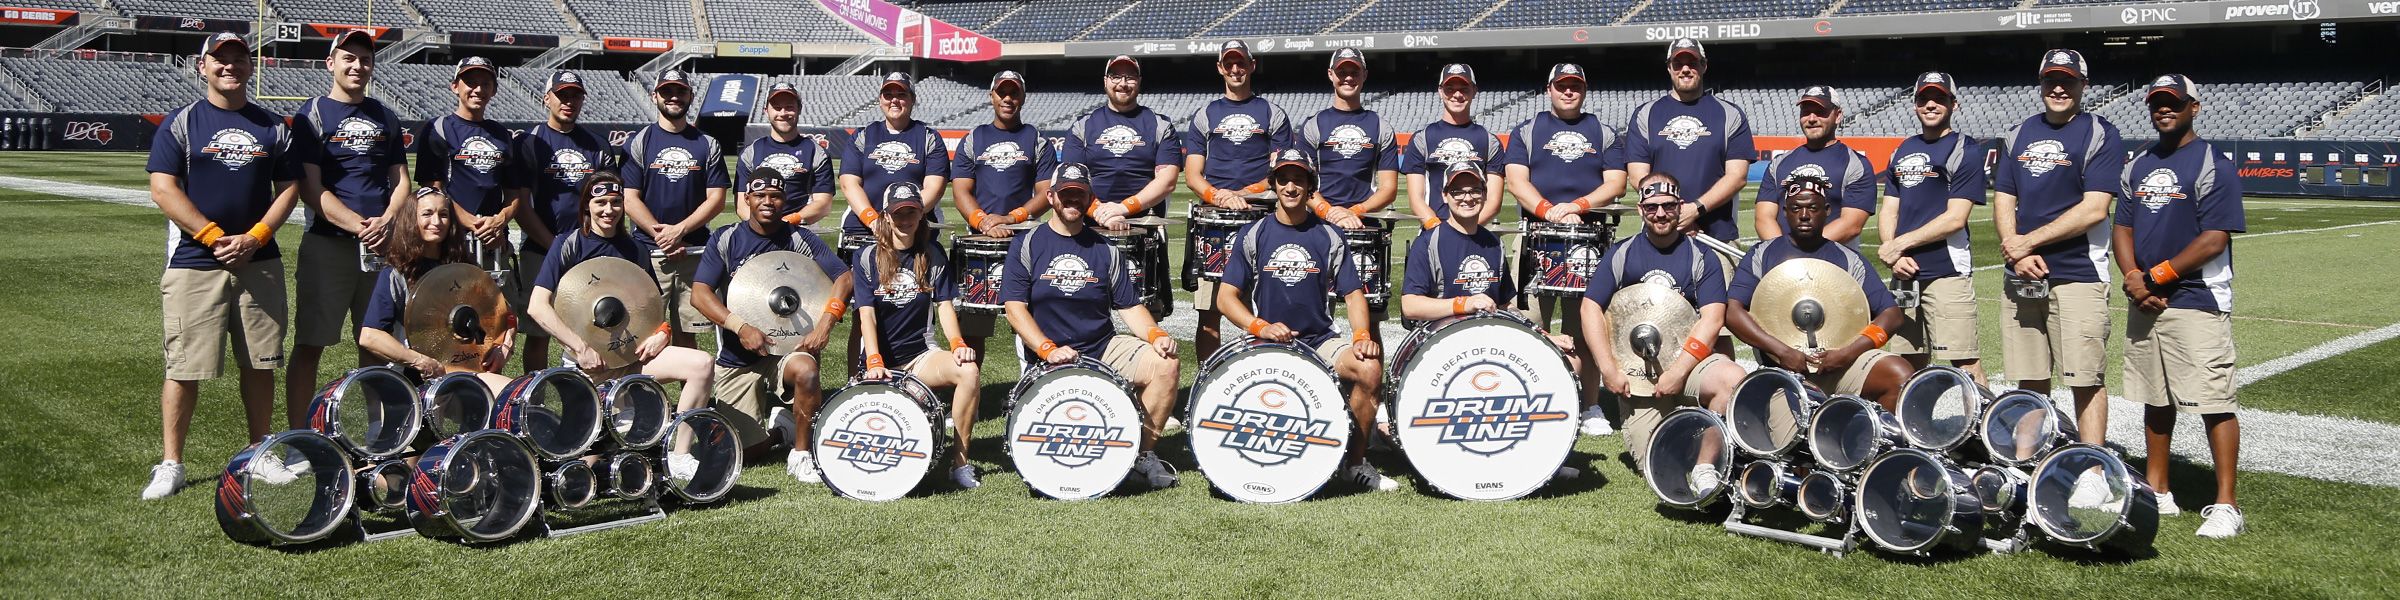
(1721, 246)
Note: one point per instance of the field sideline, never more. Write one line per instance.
(80, 376)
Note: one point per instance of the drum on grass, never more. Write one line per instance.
(977, 260)
(2001, 489)
(1563, 257)
(1371, 253)
(456, 403)
(1140, 247)
(1268, 422)
(556, 410)
(2082, 495)
(1073, 429)
(636, 408)
(1848, 431)
(704, 457)
(1689, 459)
(1484, 405)
(480, 486)
(1767, 484)
(383, 486)
(628, 475)
(876, 439)
(2021, 427)
(1825, 497)
(571, 484)
(1770, 412)
(292, 487)
(1911, 501)
(1939, 408)
(1213, 228)
(371, 411)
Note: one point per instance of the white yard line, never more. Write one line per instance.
(2268, 234)
(104, 193)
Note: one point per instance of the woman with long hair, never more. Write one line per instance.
(422, 237)
(600, 232)
(903, 292)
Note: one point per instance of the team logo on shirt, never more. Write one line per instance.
(1475, 276)
(1913, 169)
(674, 163)
(1120, 139)
(1348, 140)
(1001, 156)
(1290, 264)
(1238, 128)
(479, 153)
(784, 164)
(234, 148)
(1568, 146)
(1069, 273)
(1453, 151)
(2158, 188)
(358, 134)
(569, 166)
(2042, 156)
(893, 156)
(1683, 130)
(902, 289)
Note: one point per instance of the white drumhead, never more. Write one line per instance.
(1268, 425)
(1485, 410)
(1074, 434)
(874, 442)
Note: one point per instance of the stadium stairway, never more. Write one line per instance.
(700, 20)
(2368, 95)
(1354, 12)
(1630, 12)
(1482, 14)
(1112, 16)
(22, 96)
(573, 22)
(1228, 16)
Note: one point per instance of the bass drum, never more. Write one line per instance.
(481, 486)
(292, 487)
(1483, 405)
(371, 411)
(876, 439)
(1073, 429)
(1268, 422)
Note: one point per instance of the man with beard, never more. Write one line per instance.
(1561, 163)
(1000, 176)
(2055, 181)
(1935, 180)
(353, 175)
(675, 181)
(1701, 140)
(1225, 159)
(1134, 154)
(552, 160)
(1456, 138)
(1821, 155)
(804, 161)
(1695, 374)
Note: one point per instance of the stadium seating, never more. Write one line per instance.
(1555, 13)
(1414, 15)
(2377, 117)
(608, 97)
(107, 86)
(971, 15)
(218, 9)
(1673, 11)
(1984, 111)
(2240, 109)
(504, 16)
(387, 13)
(670, 19)
(1050, 21)
(1163, 19)
(1284, 17)
(824, 99)
(85, 6)
(746, 20)
(1872, 7)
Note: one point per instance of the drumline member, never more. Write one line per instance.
(1694, 376)
(1227, 149)
(2052, 188)
(1133, 154)
(749, 386)
(899, 148)
(1358, 163)
(1559, 164)
(904, 294)
(223, 196)
(2181, 205)
(554, 159)
(1821, 154)
(425, 235)
(601, 230)
(1000, 177)
(1455, 138)
(1702, 140)
(353, 178)
(1934, 183)
(1063, 311)
(465, 155)
(805, 161)
(1860, 367)
(1308, 256)
(675, 183)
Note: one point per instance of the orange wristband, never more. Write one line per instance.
(1254, 188)
(1319, 206)
(2164, 273)
(794, 219)
(208, 235)
(1362, 336)
(1020, 214)
(665, 327)
(1045, 348)
(875, 361)
(1876, 334)
(1696, 348)
(1458, 306)
(868, 216)
(1256, 325)
(1431, 222)
(262, 232)
(1154, 334)
(1582, 204)
(975, 219)
(1539, 207)
(835, 307)
(958, 344)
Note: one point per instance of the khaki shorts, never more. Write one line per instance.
(1642, 387)
(1331, 350)
(1945, 313)
(675, 282)
(2066, 336)
(202, 306)
(1205, 298)
(1851, 381)
(1121, 352)
(1643, 410)
(2182, 357)
(743, 397)
(519, 289)
(332, 291)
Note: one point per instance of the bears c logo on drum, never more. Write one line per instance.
(865, 442)
(1486, 409)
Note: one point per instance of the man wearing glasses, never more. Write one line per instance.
(1695, 375)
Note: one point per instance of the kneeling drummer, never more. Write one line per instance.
(749, 384)
(1860, 367)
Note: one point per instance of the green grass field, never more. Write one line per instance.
(79, 379)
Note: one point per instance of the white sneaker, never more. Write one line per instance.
(781, 427)
(1365, 475)
(2090, 492)
(1566, 473)
(1704, 478)
(2166, 504)
(964, 477)
(803, 466)
(2224, 521)
(1155, 471)
(1595, 422)
(166, 478)
(681, 466)
(270, 468)
(1173, 424)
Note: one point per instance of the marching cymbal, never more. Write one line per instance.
(1390, 215)
(455, 314)
(781, 293)
(612, 304)
(1646, 323)
(1810, 304)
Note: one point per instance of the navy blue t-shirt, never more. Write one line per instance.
(1635, 260)
(674, 171)
(1350, 146)
(388, 304)
(2048, 168)
(806, 164)
(572, 248)
(1238, 138)
(1004, 165)
(904, 315)
(881, 157)
(229, 162)
(471, 161)
(1124, 151)
(731, 246)
(1692, 141)
(1769, 254)
(1294, 267)
(1069, 284)
(1925, 176)
(1432, 149)
(1564, 159)
(2170, 196)
(1853, 178)
(555, 164)
(354, 147)
(1448, 263)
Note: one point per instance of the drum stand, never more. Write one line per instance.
(2017, 541)
(358, 524)
(1838, 547)
(648, 507)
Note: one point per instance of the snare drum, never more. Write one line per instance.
(555, 409)
(851, 242)
(1140, 247)
(480, 486)
(258, 509)
(876, 439)
(371, 411)
(637, 409)
(1563, 257)
(1484, 405)
(456, 403)
(714, 454)
(1370, 251)
(1073, 429)
(977, 260)
(1268, 422)
(1212, 229)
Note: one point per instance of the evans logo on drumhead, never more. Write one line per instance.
(892, 156)
(1120, 139)
(1913, 169)
(1487, 409)
(1074, 433)
(357, 134)
(1238, 128)
(1683, 130)
(479, 153)
(2043, 156)
(569, 166)
(1349, 140)
(234, 148)
(1069, 273)
(2158, 188)
(1568, 146)
(869, 440)
(1291, 264)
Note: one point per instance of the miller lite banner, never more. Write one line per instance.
(921, 36)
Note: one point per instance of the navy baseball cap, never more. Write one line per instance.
(1008, 77)
(1294, 157)
(1347, 55)
(210, 45)
(898, 79)
(360, 35)
(782, 88)
(2065, 61)
(1460, 169)
(1071, 175)
(1456, 71)
(472, 63)
(1112, 64)
(902, 195)
(1233, 47)
(1687, 46)
(763, 179)
(671, 77)
(560, 80)
(2181, 87)
(1566, 71)
(1823, 95)
(1936, 80)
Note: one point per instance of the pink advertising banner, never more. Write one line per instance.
(919, 35)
